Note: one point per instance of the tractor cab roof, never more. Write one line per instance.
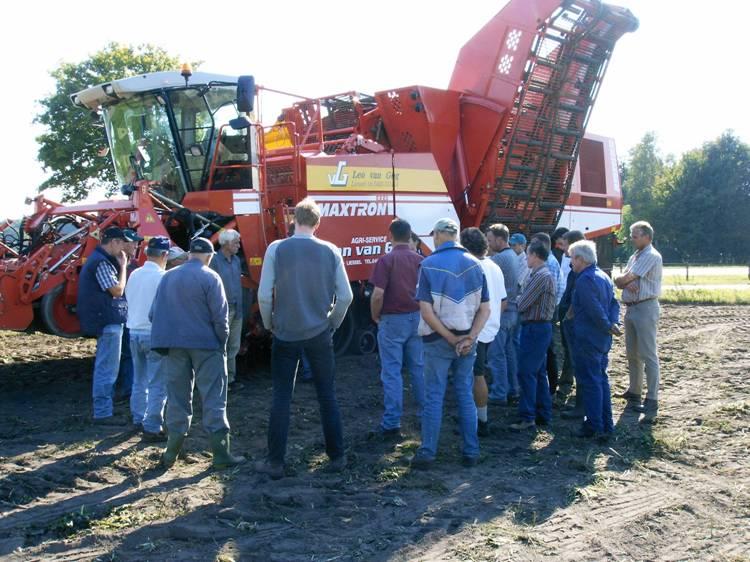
(111, 92)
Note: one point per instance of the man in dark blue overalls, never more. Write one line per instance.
(596, 317)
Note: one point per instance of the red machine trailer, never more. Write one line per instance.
(500, 145)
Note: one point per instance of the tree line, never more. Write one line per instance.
(699, 204)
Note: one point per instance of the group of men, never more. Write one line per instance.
(181, 327)
(484, 305)
(480, 306)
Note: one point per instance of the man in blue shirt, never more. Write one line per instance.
(454, 305)
(565, 313)
(596, 315)
(190, 326)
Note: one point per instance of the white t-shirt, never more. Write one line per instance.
(496, 289)
(565, 268)
(140, 292)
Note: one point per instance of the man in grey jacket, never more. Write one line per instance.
(304, 294)
(190, 326)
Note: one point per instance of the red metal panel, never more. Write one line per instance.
(492, 63)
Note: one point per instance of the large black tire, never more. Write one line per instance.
(365, 340)
(57, 319)
(342, 338)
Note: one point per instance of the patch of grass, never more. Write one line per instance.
(706, 296)
(390, 473)
(666, 442)
(736, 409)
(122, 517)
(71, 523)
(679, 279)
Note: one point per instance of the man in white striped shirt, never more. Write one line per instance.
(641, 288)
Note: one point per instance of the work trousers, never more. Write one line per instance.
(183, 369)
(641, 325)
(597, 400)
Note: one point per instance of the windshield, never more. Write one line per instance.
(199, 113)
(142, 144)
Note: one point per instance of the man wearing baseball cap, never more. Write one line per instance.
(454, 305)
(102, 311)
(149, 392)
(124, 383)
(190, 326)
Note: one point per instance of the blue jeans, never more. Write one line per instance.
(149, 387)
(440, 358)
(597, 401)
(284, 358)
(106, 365)
(124, 384)
(399, 344)
(503, 358)
(306, 368)
(535, 400)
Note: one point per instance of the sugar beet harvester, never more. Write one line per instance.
(499, 145)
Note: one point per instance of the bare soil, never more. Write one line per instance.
(677, 490)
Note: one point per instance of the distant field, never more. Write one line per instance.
(705, 285)
(711, 275)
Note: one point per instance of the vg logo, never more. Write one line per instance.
(339, 179)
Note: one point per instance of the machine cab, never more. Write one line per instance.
(191, 133)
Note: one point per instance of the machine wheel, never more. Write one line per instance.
(342, 338)
(365, 341)
(56, 317)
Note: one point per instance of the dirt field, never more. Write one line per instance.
(679, 490)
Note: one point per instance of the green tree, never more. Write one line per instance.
(706, 202)
(639, 176)
(69, 148)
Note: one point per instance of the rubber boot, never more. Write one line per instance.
(174, 445)
(220, 447)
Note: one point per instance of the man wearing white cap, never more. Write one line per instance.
(454, 305)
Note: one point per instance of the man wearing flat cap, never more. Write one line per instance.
(190, 326)
(454, 305)
(102, 311)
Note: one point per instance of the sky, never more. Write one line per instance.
(682, 74)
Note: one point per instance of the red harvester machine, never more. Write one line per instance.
(499, 145)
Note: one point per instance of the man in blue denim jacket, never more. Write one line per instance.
(596, 318)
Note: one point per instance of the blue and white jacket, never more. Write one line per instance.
(453, 281)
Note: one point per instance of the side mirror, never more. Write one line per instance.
(245, 94)
(240, 123)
